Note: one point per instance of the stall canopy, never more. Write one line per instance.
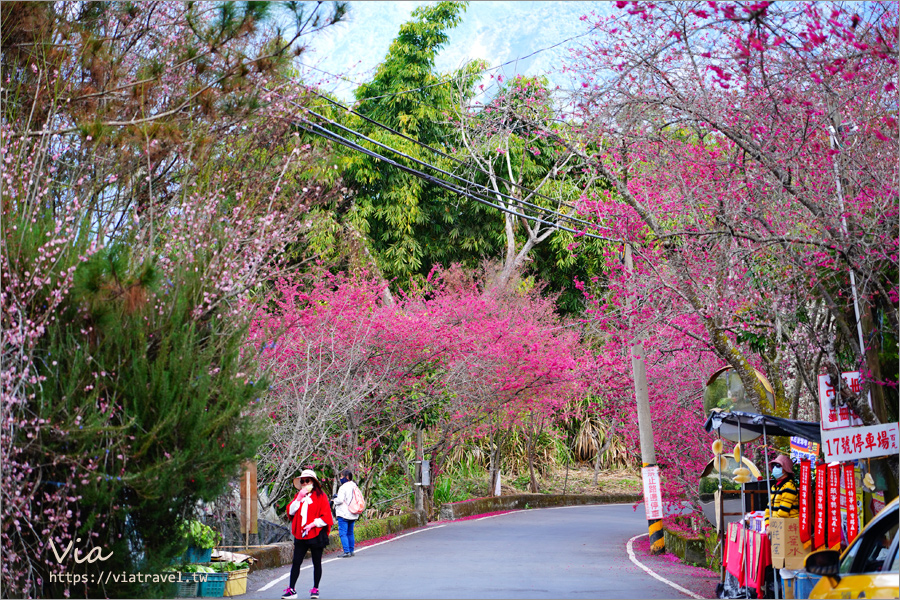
(760, 423)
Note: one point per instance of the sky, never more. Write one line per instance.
(497, 32)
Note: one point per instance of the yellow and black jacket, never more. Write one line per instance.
(785, 500)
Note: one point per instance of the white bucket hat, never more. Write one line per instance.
(307, 473)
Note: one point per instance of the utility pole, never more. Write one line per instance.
(420, 456)
(645, 428)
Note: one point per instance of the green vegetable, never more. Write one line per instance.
(224, 567)
(199, 535)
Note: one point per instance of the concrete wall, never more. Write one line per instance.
(691, 550)
(477, 506)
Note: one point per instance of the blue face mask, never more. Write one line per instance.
(777, 472)
(344, 480)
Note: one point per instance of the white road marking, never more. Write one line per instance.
(275, 582)
(634, 559)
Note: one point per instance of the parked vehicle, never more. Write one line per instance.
(868, 568)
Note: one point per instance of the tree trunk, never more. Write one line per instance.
(606, 444)
(534, 483)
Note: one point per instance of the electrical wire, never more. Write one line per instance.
(439, 152)
(317, 129)
(488, 191)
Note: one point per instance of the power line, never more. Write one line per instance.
(327, 134)
(435, 150)
(457, 177)
(450, 157)
(441, 153)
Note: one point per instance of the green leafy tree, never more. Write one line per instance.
(411, 224)
(131, 249)
(511, 145)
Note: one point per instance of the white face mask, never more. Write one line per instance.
(308, 487)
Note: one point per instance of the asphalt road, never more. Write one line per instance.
(570, 552)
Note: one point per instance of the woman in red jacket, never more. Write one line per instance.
(311, 515)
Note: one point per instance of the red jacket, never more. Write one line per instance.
(317, 508)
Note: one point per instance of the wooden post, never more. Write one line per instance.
(249, 501)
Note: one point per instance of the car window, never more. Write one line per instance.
(871, 551)
(850, 557)
(892, 566)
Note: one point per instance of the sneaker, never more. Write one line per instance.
(314, 593)
(346, 555)
(352, 553)
(289, 594)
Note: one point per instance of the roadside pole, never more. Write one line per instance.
(420, 456)
(645, 428)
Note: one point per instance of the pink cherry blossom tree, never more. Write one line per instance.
(751, 150)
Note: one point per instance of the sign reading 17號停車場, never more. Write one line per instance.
(852, 443)
(652, 493)
(843, 436)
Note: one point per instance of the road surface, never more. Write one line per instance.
(568, 552)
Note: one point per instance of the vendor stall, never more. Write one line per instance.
(747, 549)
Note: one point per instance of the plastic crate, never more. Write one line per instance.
(237, 582)
(214, 586)
(186, 587)
(197, 555)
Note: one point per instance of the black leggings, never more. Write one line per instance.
(300, 548)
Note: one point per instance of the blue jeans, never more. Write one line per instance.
(345, 529)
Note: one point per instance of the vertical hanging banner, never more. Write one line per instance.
(834, 506)
(805, 468)
(852, 511)
(652, 493)
(821, 506)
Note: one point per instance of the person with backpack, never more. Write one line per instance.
(311, 522)
(348, 506)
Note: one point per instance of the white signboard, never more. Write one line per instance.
(844, 445)
(838, 417)
(652, 493)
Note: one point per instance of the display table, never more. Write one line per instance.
(747, 554)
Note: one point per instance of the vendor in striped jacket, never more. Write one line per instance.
(785, 500)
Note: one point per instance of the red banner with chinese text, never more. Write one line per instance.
(852, 511)
(834, 506)
(805, 482)
(821, 506)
